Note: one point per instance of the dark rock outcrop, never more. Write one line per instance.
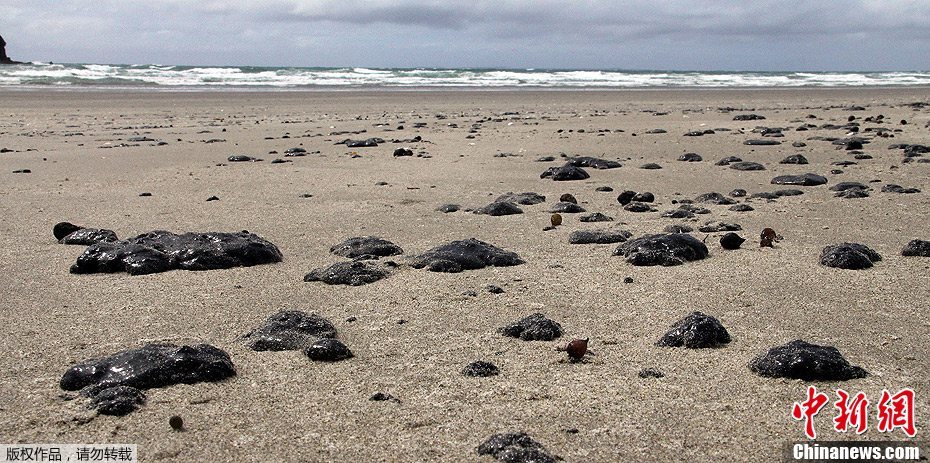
(690, 157)
(470, 254)
(678, 214)
(383, 397)
(916, 248)
(63, 229)
(366, 143)
(758, 142)
(535, 327)
(850, 256)
(690, 207)
(295, 152)
(564, 173)
(594, 163)
(741, 208)
(662, 249)
(89, 236)
(695, 331)
(843, 186)
(805, 361)
(362, 246)
(644, 197)
(893, 188)
(499, 208)
(566, 207)
(328, 350)
(678, 228)
(728, 160)
(714, 198)
(731, 241)
(154, 365)
(353, 273)
(160, 251)
(626, 197)
(639, 207)
(118, 400)
(747, 165)
(650, 373)
(853, 193)
(598, 236)
(802, 180)
(289, 330)
(480, 369)
(596, 217)
(528, 198)
(714, 227)
(241, 158)
(794, 159)
(515, 448)
(4, 59)
(788, 192)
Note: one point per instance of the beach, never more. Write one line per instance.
(413, 332)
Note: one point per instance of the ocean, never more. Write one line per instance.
(162, 77)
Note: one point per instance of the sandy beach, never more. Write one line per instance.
(413, 332)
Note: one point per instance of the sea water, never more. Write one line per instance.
(152, 76)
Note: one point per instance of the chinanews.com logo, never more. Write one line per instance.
(893, 415)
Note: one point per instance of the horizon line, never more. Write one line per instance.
(486, 68)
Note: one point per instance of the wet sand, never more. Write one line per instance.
(282, 407)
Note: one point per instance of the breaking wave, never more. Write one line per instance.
(179, 77)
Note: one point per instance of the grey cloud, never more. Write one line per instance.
(707, 16)
(404, 15)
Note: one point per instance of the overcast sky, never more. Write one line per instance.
(755, 35)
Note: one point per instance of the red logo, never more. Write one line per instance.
(852, 413)
(808, 409)
(894, 411)
(897, 411)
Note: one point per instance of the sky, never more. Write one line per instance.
(701, 35)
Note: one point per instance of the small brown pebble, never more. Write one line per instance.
(176, 423)
(767, 237)
(568, 198)
(556, 220)
(576, 349)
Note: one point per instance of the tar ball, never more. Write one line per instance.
(176, 423)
